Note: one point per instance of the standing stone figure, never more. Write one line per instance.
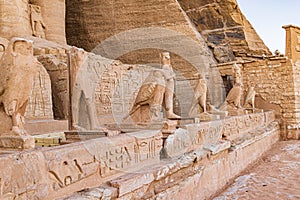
(19, 67)
(200, 96)
(250, 98)
(232, 103)
(170, 85)
(37, 24)
(81, 89)
(148, 103)
(157, 87)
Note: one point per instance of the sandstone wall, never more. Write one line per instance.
(53, 13)
(14, 19)
(137, 31)
(90, 23)
(276, 82)
(224, 27)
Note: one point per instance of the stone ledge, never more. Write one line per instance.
(199, 170)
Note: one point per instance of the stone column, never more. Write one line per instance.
(292, 49)
(53, 12)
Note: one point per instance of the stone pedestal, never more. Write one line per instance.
(17, 142)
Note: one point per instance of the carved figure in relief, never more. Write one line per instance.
(234, 96)
(157, 87)
(19, 67)
(232, 103)
(149, 98)
(37, 24)
(81, 89)
(250, 98)
(170, 85)
(200, 96)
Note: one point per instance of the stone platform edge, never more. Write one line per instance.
(56, 172)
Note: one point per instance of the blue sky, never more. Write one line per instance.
(268, 17)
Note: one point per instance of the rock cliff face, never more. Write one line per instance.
(136, 31)
(148, 26)
(224, 27)
(221, 23)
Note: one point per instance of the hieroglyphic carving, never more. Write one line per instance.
(148, 145)
(107, 88)
(116, 158)
(235, 127)
(64, 172)
(40, 101)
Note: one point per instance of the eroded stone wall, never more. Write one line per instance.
(276, 82)
(14, 19)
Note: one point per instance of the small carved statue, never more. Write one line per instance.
(37, 24)
(157, 87)
(234, 96)
(19, 67)
(170, 85)
(232, 103)
(250, 98)
(149, 98)
(237, 72)
(200, 96)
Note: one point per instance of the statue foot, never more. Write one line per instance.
(173, 116)
(16, 130)
(78, 128)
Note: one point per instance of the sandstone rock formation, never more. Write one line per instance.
(164, 27)
(21, 20)
(224, 27)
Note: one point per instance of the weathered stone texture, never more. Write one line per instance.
(224, 27)
(83, 27)
(292, 49)
(195, 175)
(276, 80)
(53, 13)
(40, 101)
(14, 19)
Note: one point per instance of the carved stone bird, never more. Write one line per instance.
(234, 96)
(199, 98)
(250, 97)
(144, 96)
(148, 90)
